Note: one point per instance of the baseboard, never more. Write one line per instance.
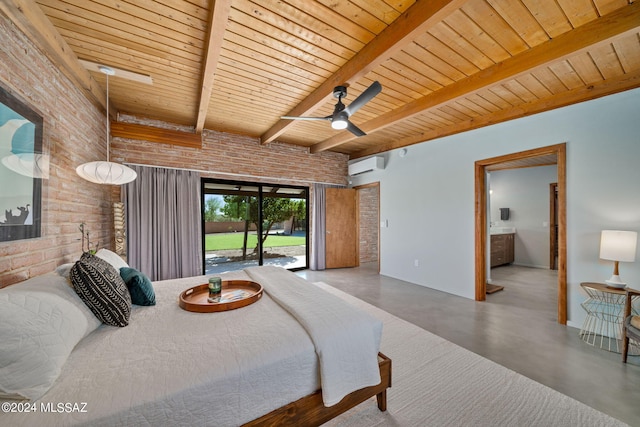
(574, 324)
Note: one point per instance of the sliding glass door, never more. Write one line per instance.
(284, 226)
(247, 224)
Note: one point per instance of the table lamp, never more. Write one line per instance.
(618, 246)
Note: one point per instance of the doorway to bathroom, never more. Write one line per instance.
(520, 228)
(555, 154)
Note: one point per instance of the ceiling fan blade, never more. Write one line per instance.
(354, 129)
(305, 118)
(364, 97)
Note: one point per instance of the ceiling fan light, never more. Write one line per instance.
(339, 124)
(106, 173)
(340, 121)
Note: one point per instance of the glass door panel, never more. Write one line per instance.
(284, 227)
(247, 224)
(231, 228)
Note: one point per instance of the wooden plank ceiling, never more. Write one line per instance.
(239, 65)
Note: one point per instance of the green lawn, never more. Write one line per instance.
(222, 241)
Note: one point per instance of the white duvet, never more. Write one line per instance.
(346, 339)
(174, 367)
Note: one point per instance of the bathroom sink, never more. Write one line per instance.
(502, 230)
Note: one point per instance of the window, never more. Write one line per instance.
(247, 224)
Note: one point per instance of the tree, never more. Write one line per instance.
(274, 210)
(242, 208)
(235, 208)
(299, 211)
(212, 205)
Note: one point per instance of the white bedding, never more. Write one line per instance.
(157, 371)
(346, 340)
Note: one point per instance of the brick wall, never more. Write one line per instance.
(235, 157)
(368, 201)
(75, 133)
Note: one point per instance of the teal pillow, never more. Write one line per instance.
(139, 285)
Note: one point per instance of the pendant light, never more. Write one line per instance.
(101, 172)
(32, 165)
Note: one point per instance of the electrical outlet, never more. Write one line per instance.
(416, 263)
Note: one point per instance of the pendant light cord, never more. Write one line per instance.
(100, 172)
(108, 133)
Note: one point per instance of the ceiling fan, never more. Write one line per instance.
(341, 113)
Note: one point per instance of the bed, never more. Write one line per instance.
(258, 365)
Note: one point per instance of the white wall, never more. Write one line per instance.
(428, 195)
(526, 193)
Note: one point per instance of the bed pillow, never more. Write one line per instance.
(64, 270)
(139, 285)
(102, 289)
(41, 321)
(112, 258)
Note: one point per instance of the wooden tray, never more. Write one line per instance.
(195, 298)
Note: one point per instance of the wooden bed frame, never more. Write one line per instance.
(310, 411)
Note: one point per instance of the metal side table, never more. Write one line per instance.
(603, 324)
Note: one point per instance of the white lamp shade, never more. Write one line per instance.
(102, 172)
(33, 165)
(618, 245)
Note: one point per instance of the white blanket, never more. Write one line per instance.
(172, 367)
(346, 339)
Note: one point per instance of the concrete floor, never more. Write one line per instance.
(516, 327)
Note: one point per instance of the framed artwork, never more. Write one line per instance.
(23, 166)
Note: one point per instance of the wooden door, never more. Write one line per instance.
(341, 246)
(553, 226)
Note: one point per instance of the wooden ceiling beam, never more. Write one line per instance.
(413, 22)
(30, 19)
(218, 18)
(155, 134)
(580, 94)
(598, 32)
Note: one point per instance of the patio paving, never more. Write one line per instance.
(217, 262)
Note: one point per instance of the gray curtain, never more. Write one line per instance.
(164, 237)
(318, 229)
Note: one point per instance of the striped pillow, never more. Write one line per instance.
(102, 289)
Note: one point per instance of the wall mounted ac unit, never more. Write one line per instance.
(366, 165)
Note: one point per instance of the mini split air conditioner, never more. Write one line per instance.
(366, 165)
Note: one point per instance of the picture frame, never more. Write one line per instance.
(23, 166)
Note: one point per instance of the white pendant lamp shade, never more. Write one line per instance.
(101, 172)
(33, 165)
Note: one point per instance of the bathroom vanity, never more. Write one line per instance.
(502, 242)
